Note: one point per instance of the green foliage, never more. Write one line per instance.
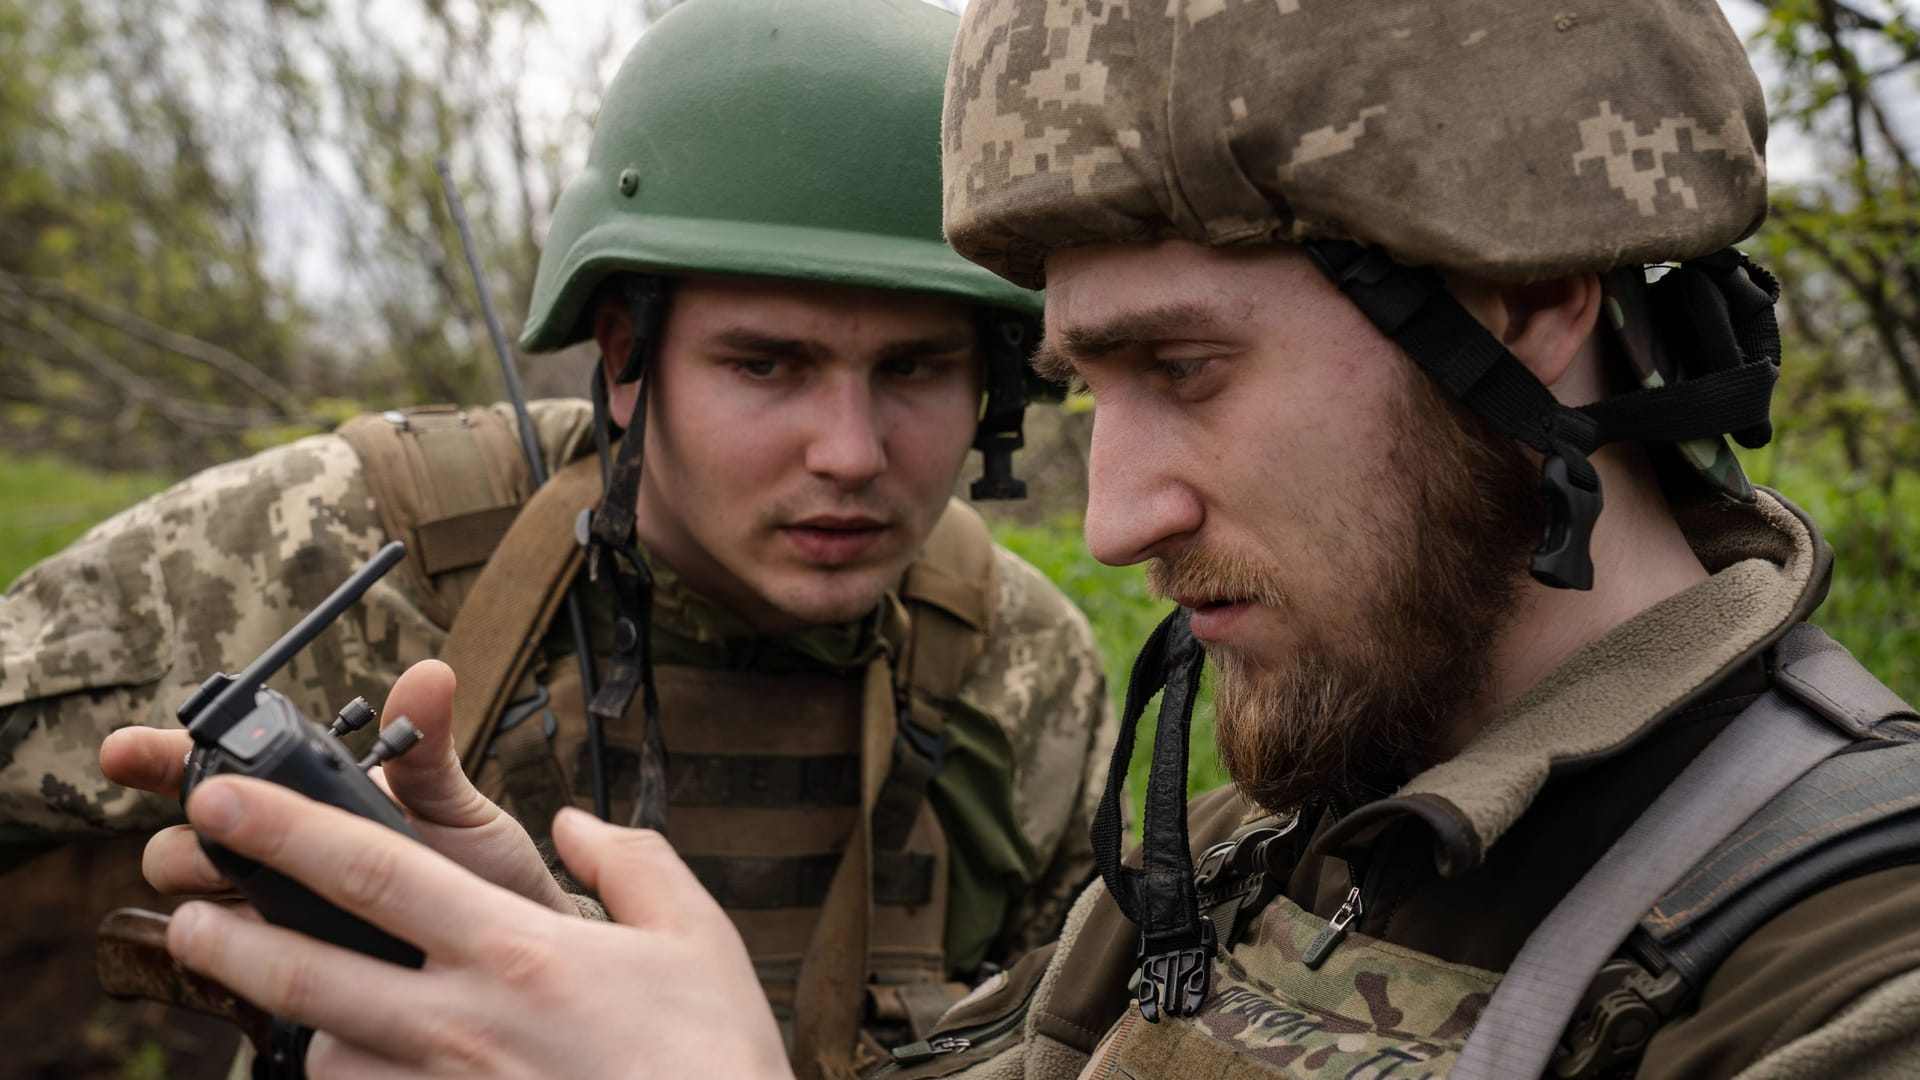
(45, 505)
(1116, 602)
(1872, 519)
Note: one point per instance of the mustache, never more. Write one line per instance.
(804, 507)
(1216, 574)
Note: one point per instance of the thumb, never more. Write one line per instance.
(636, 873)
(427, 779)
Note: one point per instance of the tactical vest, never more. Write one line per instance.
(1294, 995)
(768, 774)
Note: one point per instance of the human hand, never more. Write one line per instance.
(508, 989)
(440, 802)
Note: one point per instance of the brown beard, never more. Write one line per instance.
(1365, 698)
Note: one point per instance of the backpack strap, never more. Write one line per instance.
(950, 594)
(497, 633)
(1767, 747)
(1853, 814)
(448, 481)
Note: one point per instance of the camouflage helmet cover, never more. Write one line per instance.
(792, 140)
(1505, 138)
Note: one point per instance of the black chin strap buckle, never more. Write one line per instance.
(1563, 560)
(1173, 982)
(1005, 342)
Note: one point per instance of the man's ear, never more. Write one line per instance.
(613, 330)
(1545, 325)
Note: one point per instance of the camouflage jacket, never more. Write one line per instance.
(119, 628)
(1459, 866)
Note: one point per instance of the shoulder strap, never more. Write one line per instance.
(1762, 751)
(514, 597)
(448, 481)
(950, 593)
(1853, 814)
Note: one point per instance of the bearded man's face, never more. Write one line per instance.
(1350, 542)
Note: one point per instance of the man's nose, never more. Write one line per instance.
(848, 445)
(1137, 502)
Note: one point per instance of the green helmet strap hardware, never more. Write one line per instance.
(614, 562)
(1724, 304)
(1006, 339)
(1176, 941)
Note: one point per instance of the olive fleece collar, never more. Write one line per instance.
(1769, 569)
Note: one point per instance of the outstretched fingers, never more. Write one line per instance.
(428, 779)
(146, 758)
(388, 879)
(636, 872)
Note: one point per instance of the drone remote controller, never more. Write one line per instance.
(242, 728)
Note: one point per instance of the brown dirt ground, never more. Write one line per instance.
(55, 1021)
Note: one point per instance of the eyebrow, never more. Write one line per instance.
(751, 341)
(1065, 345)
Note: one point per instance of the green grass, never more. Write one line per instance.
(45, 505)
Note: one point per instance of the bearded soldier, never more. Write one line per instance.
(1540, 769)
(883, 734)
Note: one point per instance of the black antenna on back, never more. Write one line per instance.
(536, 464)
(223, 700)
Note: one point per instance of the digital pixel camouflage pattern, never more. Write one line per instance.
(1506, 138)
(1373, 1009)
(119, 628)
(123, 625)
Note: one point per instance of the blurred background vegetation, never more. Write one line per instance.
(220, 228)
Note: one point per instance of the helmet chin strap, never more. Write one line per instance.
(1006, 340)
(615, 564)
(1413, 306)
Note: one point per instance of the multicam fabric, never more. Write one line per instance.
(1500, 137)
(1372, 1009)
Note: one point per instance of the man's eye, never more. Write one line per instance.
(1175, 371)
(916, 368)
(758, 367)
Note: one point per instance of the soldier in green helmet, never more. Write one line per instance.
(874, 734)
(1540, 768)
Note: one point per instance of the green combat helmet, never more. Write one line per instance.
(1391, 140)
(1498, 138)
(791, 140)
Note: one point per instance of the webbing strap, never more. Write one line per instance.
(762, 882)
(828, 994)
(532, 777)
(1769, 745)
(498, 629)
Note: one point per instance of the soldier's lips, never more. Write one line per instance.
(1214, 620)
(831, 541)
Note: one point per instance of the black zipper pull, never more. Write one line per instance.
(914, 1053)
(1327, 940)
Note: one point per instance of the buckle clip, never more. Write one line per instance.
(1563, 560)
(1174, 981)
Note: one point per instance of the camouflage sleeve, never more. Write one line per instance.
(120, 627)
(1045, 682)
